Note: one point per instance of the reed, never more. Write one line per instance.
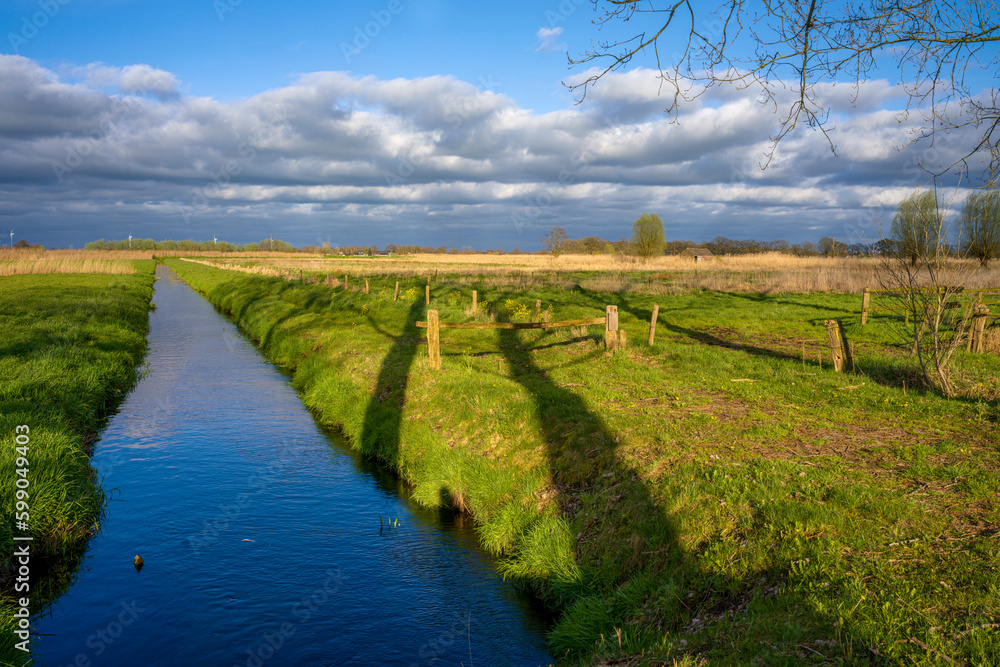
(767, 273)
(61, 265)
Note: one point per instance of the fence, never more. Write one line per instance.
(980, 310)
(614, 338)
(867, 294)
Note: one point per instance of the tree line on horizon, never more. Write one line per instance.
(917, 230)
(589, 245)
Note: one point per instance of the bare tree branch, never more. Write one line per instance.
(936, 45)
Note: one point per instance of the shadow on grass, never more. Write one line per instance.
(380, 435)
(588, 471)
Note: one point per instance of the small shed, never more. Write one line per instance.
(697, 254)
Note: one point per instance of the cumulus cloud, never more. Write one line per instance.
(548, 39)
(129, 80)
(108, 151)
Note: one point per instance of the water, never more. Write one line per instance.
(260, 533)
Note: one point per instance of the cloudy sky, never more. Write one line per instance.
(430, 122)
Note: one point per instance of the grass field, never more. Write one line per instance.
(720, 496)
(70, 346)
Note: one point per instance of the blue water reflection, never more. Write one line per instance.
(260, 533)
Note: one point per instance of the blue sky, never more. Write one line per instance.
(429, 122)
(234, 49)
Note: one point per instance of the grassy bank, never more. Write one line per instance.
(720, 495)
(69, 349)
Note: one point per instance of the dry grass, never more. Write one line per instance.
(14, 261)
(55, 265)
(256, 269)
(764, 273)
(16, 254)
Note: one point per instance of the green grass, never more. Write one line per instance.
(70, 346)
(664, 510)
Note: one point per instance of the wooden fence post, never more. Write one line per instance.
(611, 328)
(652, 324)
(848, 356)
(833, 335)
(864, 306)
(538, 310)
(475, 301)
(345, 281)
(427, 292)
(433, 338)
(366, 286)
(395, 296)
(978, 327)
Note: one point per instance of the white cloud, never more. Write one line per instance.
(129, 80)
(548, 39)
(346, 150)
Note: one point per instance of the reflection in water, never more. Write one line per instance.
(260, 533)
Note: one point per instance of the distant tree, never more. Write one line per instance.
(859, 250)
(677, 247)
(623, 246)
(647, 235)
(885, 248)
(981, 226)
(831, 247)
(593, 245)
(720, 245)
(779, 246)
(556, 241)
(916, 227)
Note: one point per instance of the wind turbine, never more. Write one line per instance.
(129, 240)
(12, 239)
(214, 240)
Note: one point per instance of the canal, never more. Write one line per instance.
(264, 539)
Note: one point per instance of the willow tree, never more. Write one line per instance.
(981, 226)
(772, 45)
(917, 227)
(648, 235)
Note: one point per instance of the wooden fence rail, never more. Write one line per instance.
(613, 338)
(513, 325)
(868, 292)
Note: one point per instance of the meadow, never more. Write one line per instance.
(721, 495)
(70, 348)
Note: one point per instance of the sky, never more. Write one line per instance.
(426, 122)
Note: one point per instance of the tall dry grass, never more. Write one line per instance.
(762, 273)
(55, 265)
(255, 269)
(15, 254)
